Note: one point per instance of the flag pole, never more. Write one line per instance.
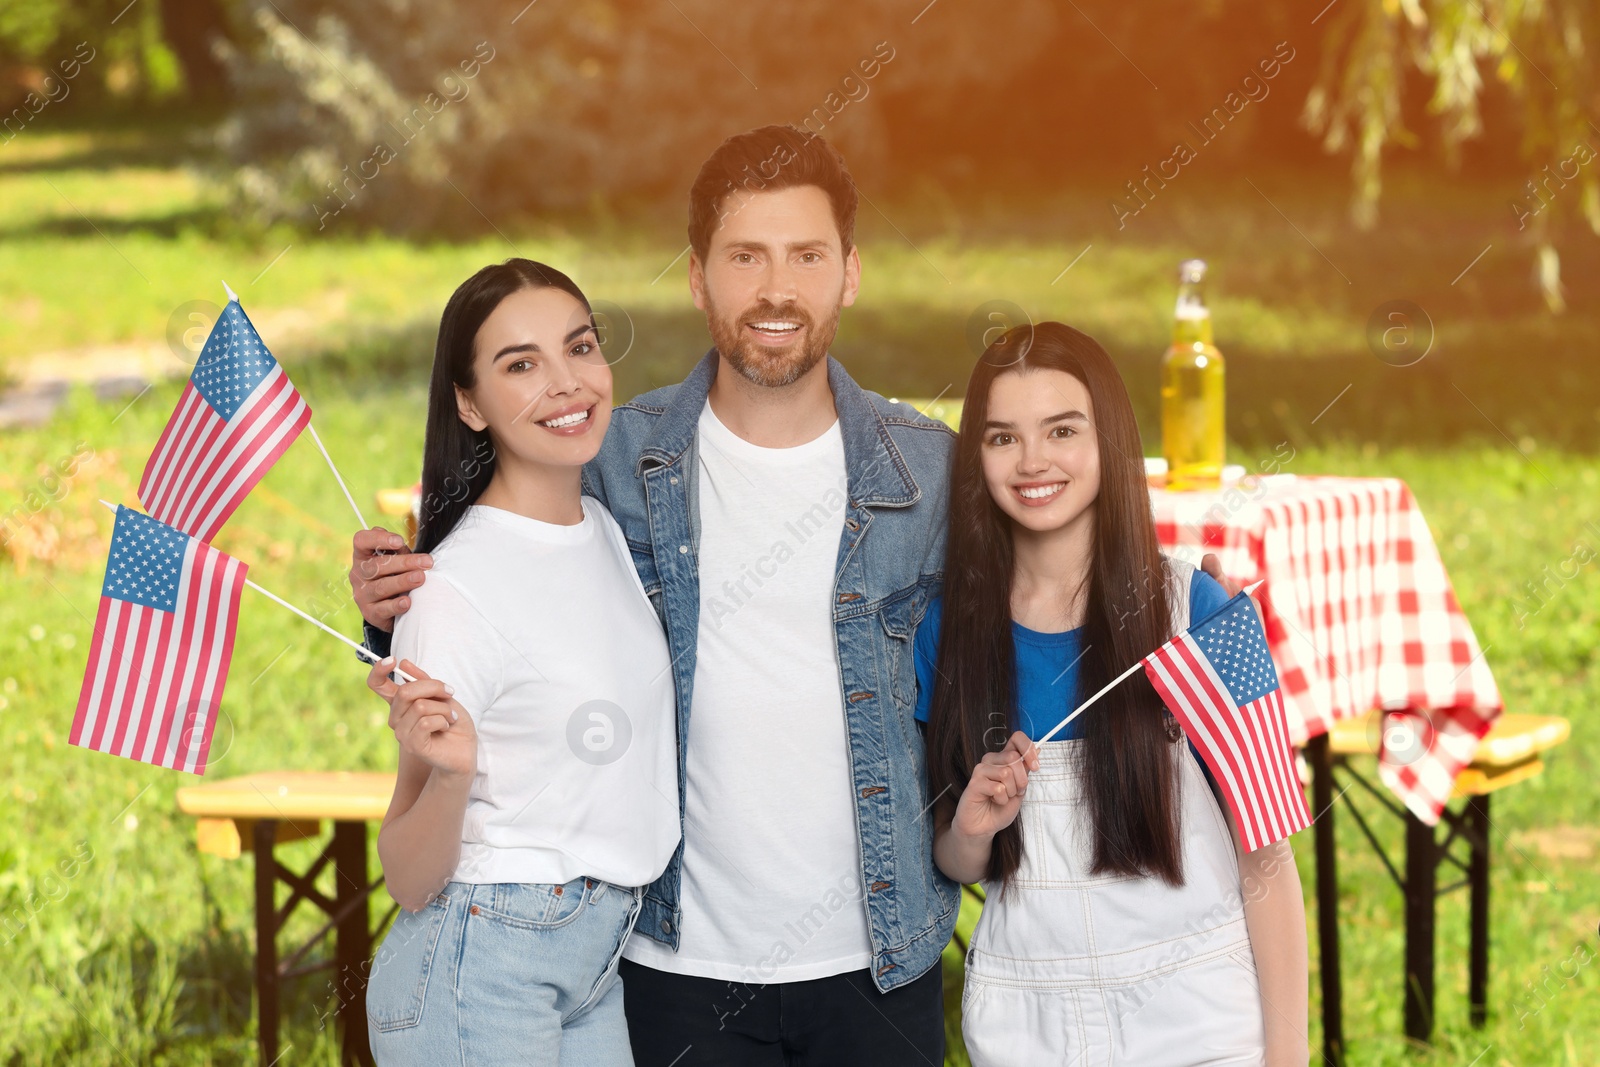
(361, 650)
(233, 297)
(1079, 710)
(336, 477)
(1108, 686)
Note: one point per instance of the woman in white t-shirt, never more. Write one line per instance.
(537, 789)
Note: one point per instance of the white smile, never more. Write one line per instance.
(567, 420)
(1042, 491)
(775, 326)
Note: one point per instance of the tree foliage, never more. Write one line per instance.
(365, 113)
(399, 114)
(1537, 50)
(131, 58)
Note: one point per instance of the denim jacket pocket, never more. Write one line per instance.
(900, 626)
(537, 906)
(398, 982)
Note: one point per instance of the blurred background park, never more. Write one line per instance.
(344, 165)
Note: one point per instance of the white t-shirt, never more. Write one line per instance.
(772, 888)
(551, 645)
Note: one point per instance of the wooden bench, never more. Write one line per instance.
(256, 812)
(1510, 753)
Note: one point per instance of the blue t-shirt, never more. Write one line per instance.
(1046, 688)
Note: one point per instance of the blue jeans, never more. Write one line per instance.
(507, 973)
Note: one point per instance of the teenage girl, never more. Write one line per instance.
(1123, 923)
(537, 790)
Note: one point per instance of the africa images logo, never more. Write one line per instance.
(599, 732)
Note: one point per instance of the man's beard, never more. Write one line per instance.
(773, 368)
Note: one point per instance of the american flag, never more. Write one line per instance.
(1217, 677)
(237, 415)
(162, 642)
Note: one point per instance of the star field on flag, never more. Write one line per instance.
(236, 416)
(163, 640)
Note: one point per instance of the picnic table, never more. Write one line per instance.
(255, 813)
(1508, 754)
(1375, 658)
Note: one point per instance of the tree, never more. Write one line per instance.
(1535, 49)
(400, 117)
(139, 51)
(365, 112)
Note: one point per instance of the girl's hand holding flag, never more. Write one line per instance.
(989, 803)
(993, 796)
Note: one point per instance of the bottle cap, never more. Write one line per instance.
(1191, 306)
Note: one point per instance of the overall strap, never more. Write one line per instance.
(1179, 576)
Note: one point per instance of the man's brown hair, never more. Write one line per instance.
(766, 159)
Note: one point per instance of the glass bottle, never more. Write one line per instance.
(1192, 410)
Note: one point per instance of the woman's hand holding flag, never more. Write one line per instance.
(426, 721)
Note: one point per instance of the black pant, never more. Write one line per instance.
(677, 1020)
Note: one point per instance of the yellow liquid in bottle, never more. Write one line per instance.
(1192, 410)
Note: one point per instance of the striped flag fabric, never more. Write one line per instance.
(163, 639)
(237, 415)
(1217, 677)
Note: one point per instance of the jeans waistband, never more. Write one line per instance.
(600, 887)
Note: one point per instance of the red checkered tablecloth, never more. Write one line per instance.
(1359, 613)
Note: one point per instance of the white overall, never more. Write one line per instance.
(1088, 970)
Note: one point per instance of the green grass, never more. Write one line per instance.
(131, 947)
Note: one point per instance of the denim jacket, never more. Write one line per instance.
(890, 564)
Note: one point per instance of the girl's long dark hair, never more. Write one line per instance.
(458, 461)
(1131, 779)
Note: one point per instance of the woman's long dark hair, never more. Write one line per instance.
(458, 461)
(1131, 779)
